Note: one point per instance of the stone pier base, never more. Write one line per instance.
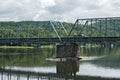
(67, 50)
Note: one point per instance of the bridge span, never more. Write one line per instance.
(62, 40)
(92, 30)
(83, 30)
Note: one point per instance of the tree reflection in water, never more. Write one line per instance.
(66, 70)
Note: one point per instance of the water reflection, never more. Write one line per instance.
(24, 57)
(23, 64)
(110, 56)
(111, 61)
(95, 51)
(70, 67)
(65, 70)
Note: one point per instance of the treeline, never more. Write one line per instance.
(32, 29)
(42, 29)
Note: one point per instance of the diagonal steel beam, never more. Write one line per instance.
(55, 30)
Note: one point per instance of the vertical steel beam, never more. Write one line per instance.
(9, 31)
(49, 31)
(18, 26)
(114, 25)
(100, 32)
(28, 32)
(91, 24)
(106, 27)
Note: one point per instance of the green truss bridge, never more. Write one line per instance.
(94, 30)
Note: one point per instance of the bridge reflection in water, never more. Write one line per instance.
(65, 70)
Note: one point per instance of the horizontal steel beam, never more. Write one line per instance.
(108, 18)
(63, 40)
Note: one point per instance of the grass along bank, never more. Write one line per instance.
(16, 47)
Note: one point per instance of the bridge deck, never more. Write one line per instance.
(57, 40)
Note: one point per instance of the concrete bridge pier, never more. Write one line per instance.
(67, 51)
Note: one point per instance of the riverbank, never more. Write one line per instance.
(16, 47)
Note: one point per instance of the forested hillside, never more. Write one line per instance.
(35, 29)
(31, 29)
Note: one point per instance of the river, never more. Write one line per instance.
(36, 64)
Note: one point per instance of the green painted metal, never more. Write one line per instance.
(66, 33)
(107, 27)
(106, 23)
(74, 26)
(91, 27)
(83, 27)
(51, 23)
(100, 28)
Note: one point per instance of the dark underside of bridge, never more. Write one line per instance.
(62, 40)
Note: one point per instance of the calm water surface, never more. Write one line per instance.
(34, 64)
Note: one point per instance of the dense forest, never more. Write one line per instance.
(42, 29)
(33, 29)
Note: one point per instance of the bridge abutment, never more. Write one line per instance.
(67, 50)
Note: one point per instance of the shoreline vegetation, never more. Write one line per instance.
(27, 47)
(17, 47)
(48, 46)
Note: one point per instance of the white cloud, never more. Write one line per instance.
(46, 3)
(62, 10)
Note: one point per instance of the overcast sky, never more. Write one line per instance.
(60, 10)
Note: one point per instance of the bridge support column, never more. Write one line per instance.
(67, 50)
